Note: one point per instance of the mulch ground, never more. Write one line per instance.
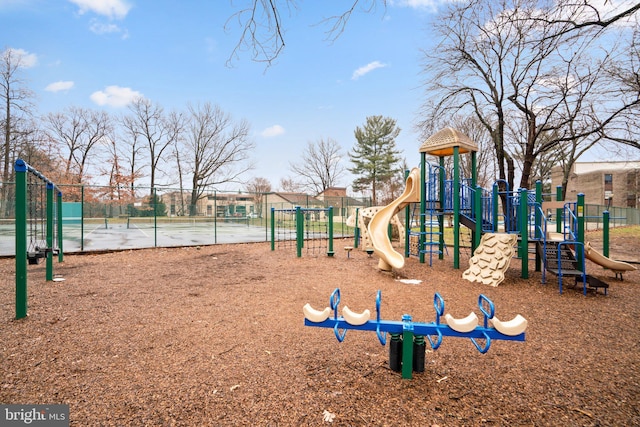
(215, 336)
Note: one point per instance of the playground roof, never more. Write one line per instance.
(442, 143)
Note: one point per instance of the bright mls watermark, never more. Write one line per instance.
(34, 415)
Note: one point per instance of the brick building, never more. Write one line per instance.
(602, 183)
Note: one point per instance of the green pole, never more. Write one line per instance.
(494, 200)
(215, 217)
(59, 220)
(155, 218)
(273, 229)
(407, 222)
(580, 216)
(356, 231)
(477, 207)
(605, 233)
(559, 212)
(299, 231)
(456, 207)
(407, 347)
(524, 234)
(538, 222)
(49, 253)
(423, 206)
(21, 239)
(330, 253)
(82, 218)
(441, 180)
(477, 212)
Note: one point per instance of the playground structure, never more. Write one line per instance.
(429, 196)
(38, 227)
(407, 345)
(310, 228)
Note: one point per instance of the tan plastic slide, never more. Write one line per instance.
(598, 258)
(378, 226)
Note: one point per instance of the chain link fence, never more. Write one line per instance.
(102, 218)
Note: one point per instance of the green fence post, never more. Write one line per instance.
(273, 229)
(299, 231)
(356, 230)
(155, 217)
(605, 233)
(524, 233)
(407, 222)
(330, 253)
(423, 208)
(21, 239)
(49, 253)
(82, 218)
(59, 219)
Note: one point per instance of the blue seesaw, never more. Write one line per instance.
(407, 345)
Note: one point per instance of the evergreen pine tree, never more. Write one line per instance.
(375, 157)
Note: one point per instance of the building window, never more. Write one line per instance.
(608, 182)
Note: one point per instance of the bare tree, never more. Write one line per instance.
(79, 131)
(262, 26)
(218, 148)
(258, 187)
(134, 152)
(320, 166)
(155, 129)
(290, 185)
(16, 99)
(503, 68)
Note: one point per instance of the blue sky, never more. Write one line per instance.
(102, 53)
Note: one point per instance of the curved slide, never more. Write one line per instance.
(598, 258)
(378, 226)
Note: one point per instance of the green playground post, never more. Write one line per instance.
(538, 222)
(456, 207)
(299, 231)
(407, 221)
(423, 206)
(273, 228)
(605, 233)
(477, 212)
(580, 216)
(524, 234)
(21, 239)
(49, 253)
(559, 211)
(494, 206)
(441, 189)
(59, 224)
(330, 252)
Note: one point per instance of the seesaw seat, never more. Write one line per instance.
(512, 327)
(466, 324)
(314, 315)
(355, 318)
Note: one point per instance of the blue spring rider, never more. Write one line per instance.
(407, 344)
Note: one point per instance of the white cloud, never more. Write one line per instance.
(98, 27)
(430, 5)
(272, 131)
(110, 8)
(115, 96)
(21, 57)
(59, 86)
(367, 69)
